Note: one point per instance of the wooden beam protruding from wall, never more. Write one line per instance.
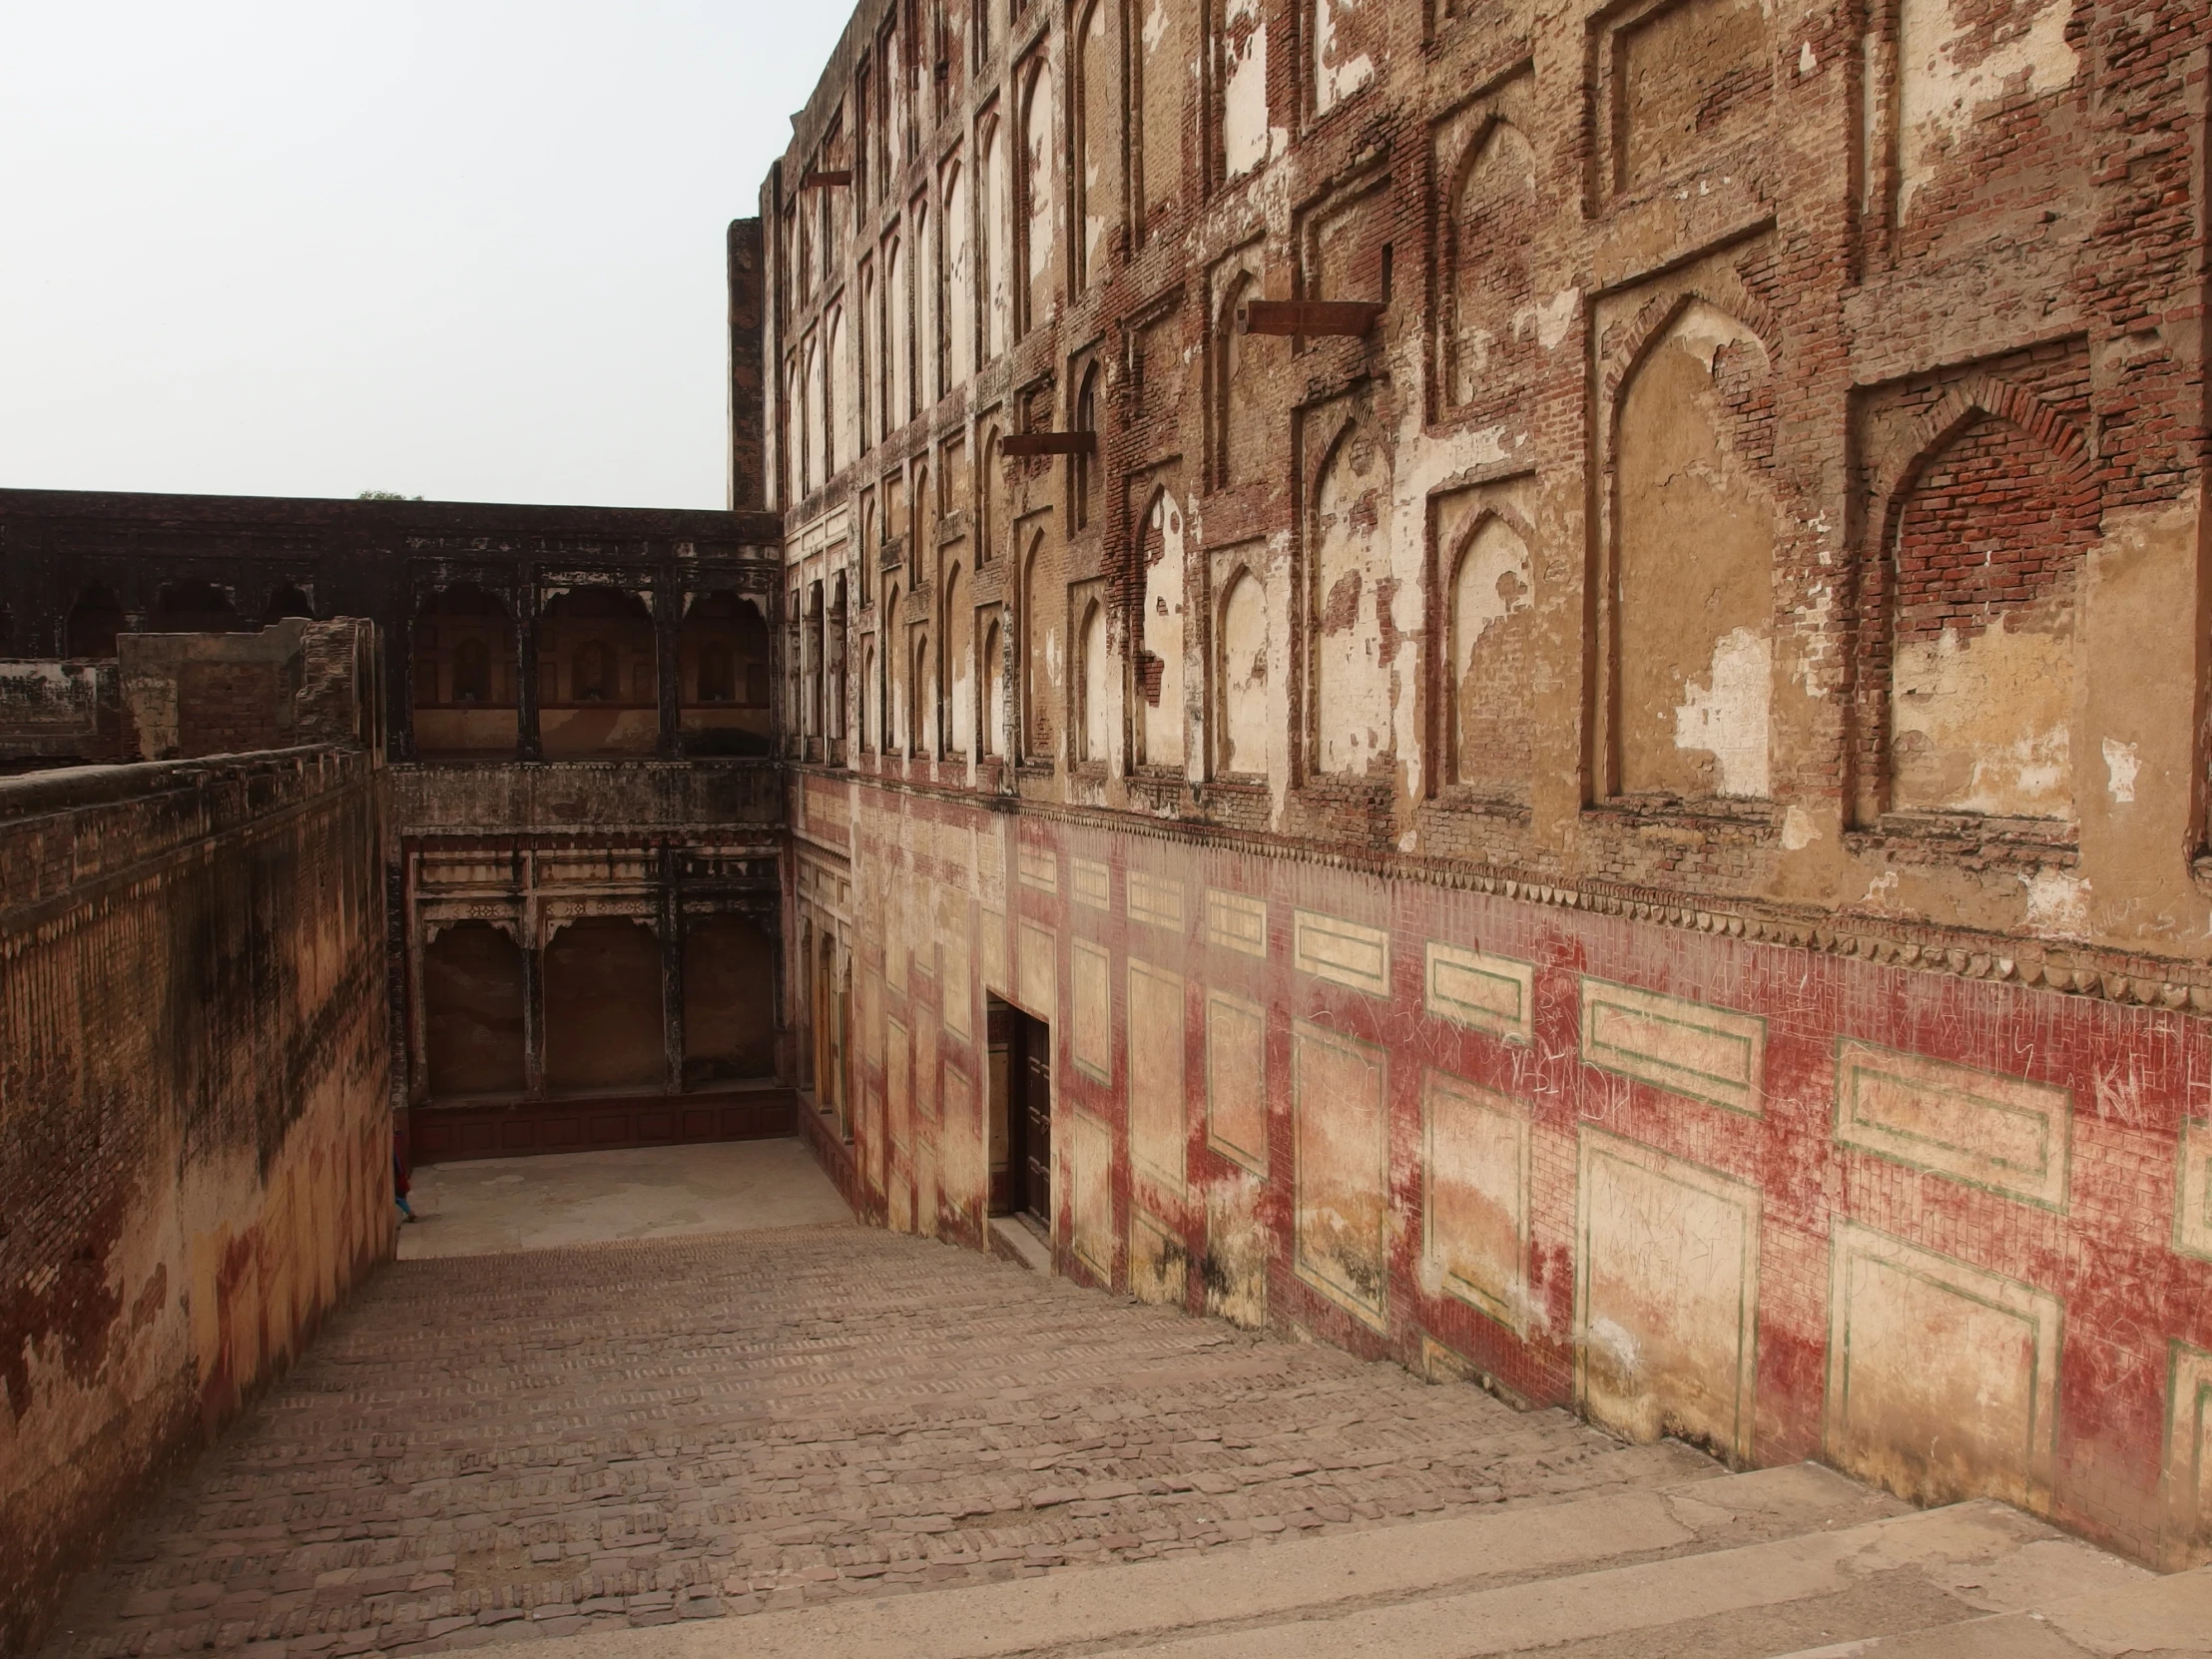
(1308, 316)
(1048, 443)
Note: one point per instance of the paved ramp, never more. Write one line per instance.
(859, 1444)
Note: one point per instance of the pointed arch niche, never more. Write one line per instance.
(1967, 666)
(1243, 368)
(1158, 669)
(1351, 645)
(1242, 665)
(1041, 657)
(1490, 324)
(1488, 698)
(1689, 596)
(466, 701)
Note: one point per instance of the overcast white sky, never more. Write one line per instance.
(470, 250)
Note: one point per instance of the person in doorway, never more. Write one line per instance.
(400, 1187)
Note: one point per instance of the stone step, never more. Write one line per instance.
(1014, 1240)
(1597, 1568)
(2158, 1616)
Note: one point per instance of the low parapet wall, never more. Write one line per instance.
(194, 1131)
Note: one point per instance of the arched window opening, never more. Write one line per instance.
(466, 685)
(94, 622)
(598, 685)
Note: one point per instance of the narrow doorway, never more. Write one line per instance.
(1022, 1102)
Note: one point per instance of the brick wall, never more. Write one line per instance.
(1621, 813)
(194, 1060)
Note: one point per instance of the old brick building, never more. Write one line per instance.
(1526, 688)
(584, 811)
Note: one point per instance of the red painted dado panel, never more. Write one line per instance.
(437, 1133)
(1951, 1235)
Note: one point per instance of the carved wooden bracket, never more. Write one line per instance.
(1308, 316)
(1048, 443)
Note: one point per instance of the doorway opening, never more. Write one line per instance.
(1021, 1114)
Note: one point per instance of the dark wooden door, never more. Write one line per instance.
(1034, 1098)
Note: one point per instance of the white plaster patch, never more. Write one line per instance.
(1554, 321)
(1244, 116)
(1334, 82)
(1797, 830)
(1940, 96)
(2058, 902)
(1806, 61)
(1617, 1343)
(2120, 765)
(1727, 717)
(1487, 447)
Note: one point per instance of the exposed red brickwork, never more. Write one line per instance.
(1986, 530)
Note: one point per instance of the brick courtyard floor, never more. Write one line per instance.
(497, 1448)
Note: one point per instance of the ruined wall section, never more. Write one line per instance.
(1689, 321)
(196, 1150)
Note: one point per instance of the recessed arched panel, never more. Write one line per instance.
(1353, 703)
(1983, 591)
(1039, 202)
(1695, 530)
(1242, 673)
(1490, 341)
(1097, 742)
(1041, 667)
(993, 739)
(598, 681)
(1494, 663)
(959, 664)
(466, 676)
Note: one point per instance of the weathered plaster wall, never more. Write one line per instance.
(1674, 858)
(194, 1118)
(1784, 1202)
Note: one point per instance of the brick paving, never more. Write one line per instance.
(497, 1448)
